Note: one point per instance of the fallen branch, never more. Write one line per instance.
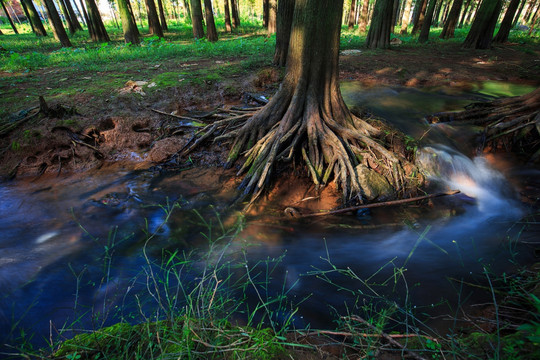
(374, 205)
(175, 116)
(7, 128)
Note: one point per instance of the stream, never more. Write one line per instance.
(71, 248)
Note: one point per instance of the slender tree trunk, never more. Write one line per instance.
(196, 19)
(363, 21)
(129, 27)
(381, 25)
(85, 16)
(418, 15)
(71, 26)
(272, 17)
(266, 15)
(474, 7)
(56, 24)
(73, 16)
(406, 17)
(134, 29)
(451, 22)
(426, 26)
(27, 14)
(534, 20)
(284, 22)
(464, 13)
(235, 14)
(481, 33)
(528, 13)
(187, 8)
(80, 14)
(9, 17)
(227, 12)
(211, 32)
(97, 29)
(153, 19)
(516, 18)
(506, 25)
(164, 26)
(352, 14)
(395, 10)
(436, 13)
(37, 25)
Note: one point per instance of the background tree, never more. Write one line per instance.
(56, 24)
(506, 24)
(418, 15)
(520, 10)
(153, 19)
(352, 15)
(284, 21)
(452, 20)
(162, 20)
(34, 18)
(272, 16)
(72, 15)
(381, 25)
(363, 17)
(187, 9)
(196, 19)
(234, 13)
(97, 30)
(85, 16)
(426, 26)
(308, 119)
(406, 16)
(481, 33)
(129, 27)
(67, 18)
(9, 17)
(266, 14)
(211, 32)
(227, 15)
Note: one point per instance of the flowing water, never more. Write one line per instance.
(71, 248)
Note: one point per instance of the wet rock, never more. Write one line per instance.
(375, 185)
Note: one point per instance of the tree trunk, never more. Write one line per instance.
(395, 10)
(235, 14)
(1, 33)
(516, 19)
(188, 10)
(129, 27)
(381, 25)
(528, 13)
(272, 17)
(362, 23)
(227, 12)
(153, 18)
(426, 26)
(506, 25)
(37, 25)
(284, 22)
(352, 14)
(9, 17)
(534, 20)
(73, 16)
(71, 26)
(451, 22)
(436, 13)
(56, 24)
(405, 18)
(85, 15)
(481, 33)
(474, 7)
(308, 119)
(464, 13)
(27, 14)
(196, 19)
(266, 15)
(162, 20)
(97, 29)
(419, 15)
(211, 32)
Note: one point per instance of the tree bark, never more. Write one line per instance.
(27, 14)
(73, 16)
(227, 15)
(352, 15)
(266, 14)
(129, 27)
(381, 25)
(37, 25)
(452, 20)
(85, 16)
(464, 13)
(196, 19)
(56, 24)
(272, 16)
(96, 29)
(9, 17)
(528, 13)
(516, 19)
(284, 22)
(162, 19)
(419, 15)
(426, 26)
(472, 11)
(405, 18)
(67, 17)
(506, 24)
(363, 21)
(395, 11)
(235, 14)
(187, 8)
(211, 31)
(153, 18)
(481, 33)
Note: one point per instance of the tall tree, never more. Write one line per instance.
(187, 9)
(71, 26)
(266, 14)
(405, 18)
(9, 17)
(153, 19)
(211, 32)
(129, 27)
(418, 15)
(284, 21)
(235, 14)
(97, 30)
(452, 20)
(56, 24)
(227, 15)
(472, 11)
(516, 18)
(395, 11)
(481, 33)
(196, 19)
(73, 16)
(164, 26)
(464, 13)
(352, 15)
(381, 25)
(426, 26)
(506, 24)
(34, 18)
(85, 16)
(272, 16)
(363, 18)
(308, 120)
